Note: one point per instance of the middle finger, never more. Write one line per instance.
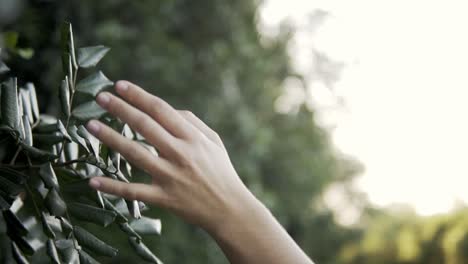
(154, 133)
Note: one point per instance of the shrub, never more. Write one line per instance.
(46, 163)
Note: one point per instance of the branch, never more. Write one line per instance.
(55, 165)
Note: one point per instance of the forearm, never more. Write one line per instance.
(251, 234)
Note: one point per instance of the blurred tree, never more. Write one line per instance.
(206, 56)
(402, 237)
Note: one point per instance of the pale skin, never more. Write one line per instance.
(193, 177)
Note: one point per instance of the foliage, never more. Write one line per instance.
(46, 163)
(405, 238)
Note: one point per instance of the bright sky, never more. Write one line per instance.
(404, 87)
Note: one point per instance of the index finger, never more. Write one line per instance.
(157, 108)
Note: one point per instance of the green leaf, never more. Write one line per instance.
(49, 139)
(139, 137)
(143, 251)
(71, 83)
(27, 107)
(22, 243)
(33, 98)
(85, 258)
(82, 188)
(90, 56)
(92, 214)
(127, 132)
(150, 148)
(46, 227)
(110, 206)
(4, 204)
(67, 45)
(147, 226)
(10, 187)
(115, 158)
(63, 130)
(3, 67)
(64, 96)
(21, 127)
(25, 53)
(133, 209)
(73, 132)
(55, 203)
(11, 39)
(93, 84)
(72, 152)
(118, 175)
(14, 224)
(93, 243)
(91, 141)
(97, 162)
(13, 175)
(127, 169)
(89, 110)
(18, 255)
(52, 252)
(9, 104)
(48, 176)
(39, 154)
(45, 128)
(28, 138)
(129, 230)
(67, 250)
(67, 228)
(7, 197)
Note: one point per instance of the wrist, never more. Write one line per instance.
(240, 214)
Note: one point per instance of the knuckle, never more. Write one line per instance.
(187, 160)
(141, 121)
(108, 137)
(186, 113)
(113, 104)
(131, 151)
(132, 96)
(114, 188)
(157, 102)
(129, 193)
(155, 111)
(215, 135)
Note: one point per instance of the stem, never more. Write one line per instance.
(66, 163)
(13, 160)
(75, 243)
(55, 165)
(35, 123)
(29, 160)
(36, 208)
(72, 96)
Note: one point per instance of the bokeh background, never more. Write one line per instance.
(346, 118)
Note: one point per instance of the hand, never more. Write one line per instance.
(192, 176)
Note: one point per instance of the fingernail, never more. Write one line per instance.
(95, 183)
(103, 99)
(93, 127)
(121, 86)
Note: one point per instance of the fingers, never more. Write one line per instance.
(139, 121)
(132, 151)
(155, 107)
(129, 191)
(206, 130)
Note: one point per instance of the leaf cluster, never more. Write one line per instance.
(46, 162)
